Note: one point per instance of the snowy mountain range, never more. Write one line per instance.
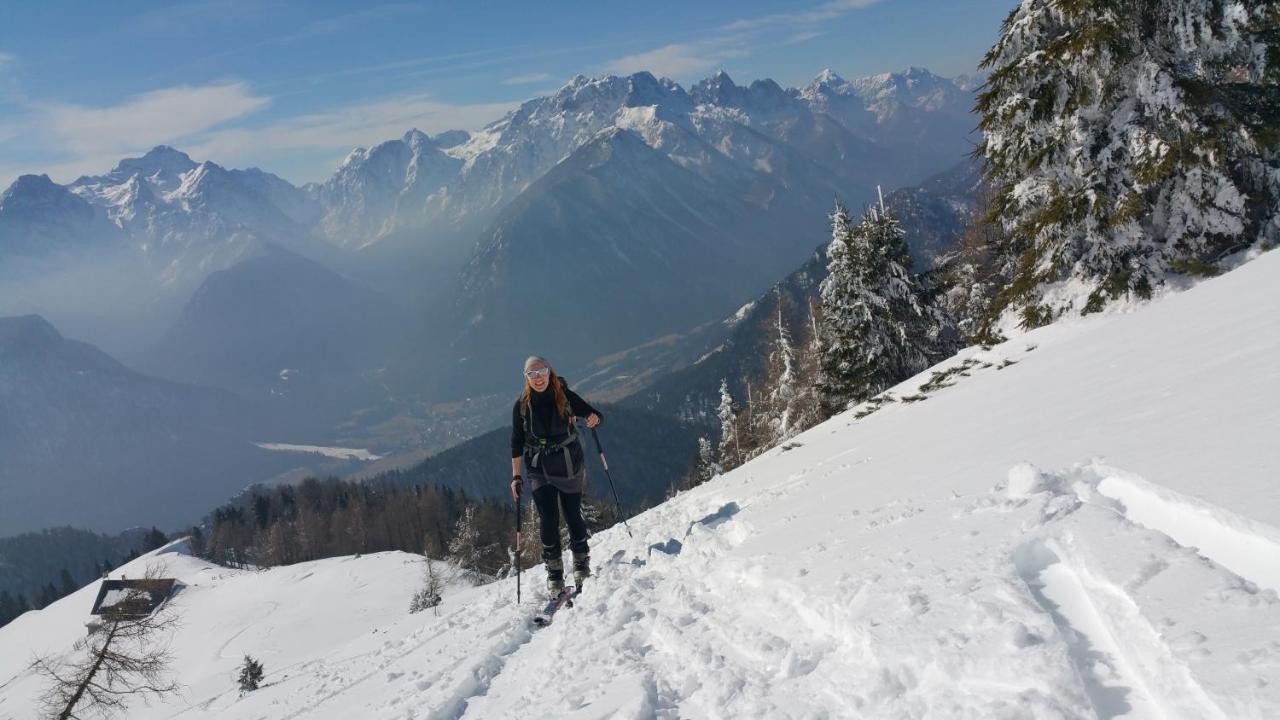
(629, 183)
(188, 219)
(434, 196)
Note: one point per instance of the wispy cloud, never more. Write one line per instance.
(175, 20)
(444, 63)
(6, 59)
(803, 37)
(527, 79)
(195, 18)
(91, 139)
(150, 118)
(343, 23)
(822, 13)
(736, 40)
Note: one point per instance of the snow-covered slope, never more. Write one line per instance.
(1082, 522)
(287, 618)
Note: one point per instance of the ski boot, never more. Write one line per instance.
(555, 576)
(581, 569)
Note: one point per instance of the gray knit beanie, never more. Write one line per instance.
(534, 360)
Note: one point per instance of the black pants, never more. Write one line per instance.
(550, 500)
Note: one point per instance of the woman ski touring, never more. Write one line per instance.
(544, 440)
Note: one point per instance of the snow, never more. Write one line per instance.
(340, 453)
(1078, 523)
(288, 618)
(740, 314)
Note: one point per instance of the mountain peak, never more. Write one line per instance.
(719, 89)
(969, 81)
(911, 77)
(166, 153)
(31, 185)
(33, 191)
(25, 331)
(767, 86)
(415, 139)
(828, 77)
(161, 161)
(720, 79)
(451, 138)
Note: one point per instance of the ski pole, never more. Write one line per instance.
(600, 449)
(518, 549)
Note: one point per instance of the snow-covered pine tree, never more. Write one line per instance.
(592, 515)
(842, 312)
(809, 405)
(971, 276)
(464, 546)
(1127, 140)
(877, 324)
(730, 451)
(784, 391)
(706, 467)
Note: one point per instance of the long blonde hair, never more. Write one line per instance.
(557, 386)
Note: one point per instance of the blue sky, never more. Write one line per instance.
(292, 85)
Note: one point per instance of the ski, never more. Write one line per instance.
(564, 598)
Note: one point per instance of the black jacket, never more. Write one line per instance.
(547, 423)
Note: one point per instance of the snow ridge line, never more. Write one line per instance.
(1244, 546)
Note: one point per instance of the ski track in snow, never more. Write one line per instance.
(1124, 662)
(1120, 659)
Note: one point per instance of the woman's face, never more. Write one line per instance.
(540, 381)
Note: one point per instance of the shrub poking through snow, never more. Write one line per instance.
(428, 595)
(251, 673)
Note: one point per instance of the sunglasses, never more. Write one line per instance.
(531, 374)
